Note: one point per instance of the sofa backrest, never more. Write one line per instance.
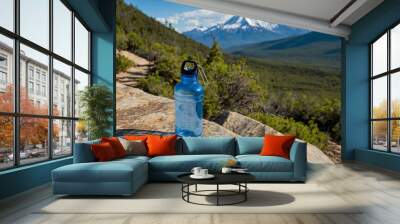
(249, 145)
(83, 152)
(206, 145)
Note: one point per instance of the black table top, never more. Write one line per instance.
(220, 178)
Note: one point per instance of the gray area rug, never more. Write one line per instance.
(166, 198)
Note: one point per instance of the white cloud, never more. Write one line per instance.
(197, 18)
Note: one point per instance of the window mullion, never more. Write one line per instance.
(50, 81)
(371, 89)
(16, 85)
(73, 82)
(389, 106)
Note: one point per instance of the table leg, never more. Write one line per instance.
(182, 190)
(195, 188)
(245, 193)
(217, 194)
(188, 190)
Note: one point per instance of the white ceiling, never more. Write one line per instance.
(327, 16)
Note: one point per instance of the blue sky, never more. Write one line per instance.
(182, 17)
(159, 8)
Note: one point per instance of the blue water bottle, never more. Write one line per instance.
(189, 96)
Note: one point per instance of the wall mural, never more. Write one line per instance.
(255, 77)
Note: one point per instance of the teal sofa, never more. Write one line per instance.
(125, 176)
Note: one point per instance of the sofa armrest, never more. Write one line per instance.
(83, 152)
(298, 155)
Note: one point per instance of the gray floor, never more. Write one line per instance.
(379, 189)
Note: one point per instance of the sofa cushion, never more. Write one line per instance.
(185, 163)
(103, 152)
(161, 145)
(257, 163)
(249, 145)
(116, 145)
(275, 145)
(134, 147)
(112, 171)
(207, 145)
(133, 158)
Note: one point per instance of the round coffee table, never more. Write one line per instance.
(238, 179)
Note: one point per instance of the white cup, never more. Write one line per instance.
(226, 170)
(203, 172)
(196, 171)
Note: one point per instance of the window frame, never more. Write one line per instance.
(388, 74)
(16, 114)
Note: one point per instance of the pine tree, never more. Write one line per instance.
(215, 55)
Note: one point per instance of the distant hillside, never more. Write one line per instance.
(238, 31)
(138, 32)
(314, 49)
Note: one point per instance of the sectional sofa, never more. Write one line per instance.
(125, 176)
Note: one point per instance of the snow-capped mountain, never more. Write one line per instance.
(239, 30)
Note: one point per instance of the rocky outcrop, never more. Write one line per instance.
(245, 126)
(138, 111)
(139, 70)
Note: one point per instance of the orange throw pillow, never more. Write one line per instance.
(116, 145)
(161, 145)
(136, 137)
(275, 145)
(103, 151)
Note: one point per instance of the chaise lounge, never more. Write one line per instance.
(125, 176)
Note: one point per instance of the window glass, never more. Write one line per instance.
(7, 14)
(6, 142)
(81, 45)
(62, 137)
(33, 140)
(34, 81)
(395, 47)
(379, 135)
(379, 56)
(62, 91)
(6, 74)
(34, 21)
(62, 29)
(395, 95)
(395, 138)
(81, 82)
(39, 62)
(379, 97)
(81, 131)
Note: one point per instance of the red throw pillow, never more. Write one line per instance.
(136, 137)
(161, 145)
(116, 145)
(275, 145)
(103, 151)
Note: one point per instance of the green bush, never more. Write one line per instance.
(231, 86)
(156, 85)
(309, 132)
(123, 63)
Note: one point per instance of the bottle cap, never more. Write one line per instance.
(189, 68)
